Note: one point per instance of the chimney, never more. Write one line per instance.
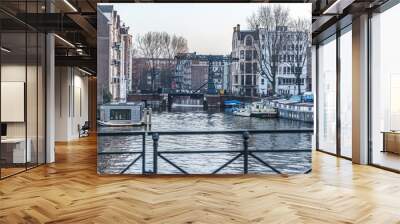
(238, 31)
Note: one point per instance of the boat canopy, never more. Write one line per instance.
(232, 102)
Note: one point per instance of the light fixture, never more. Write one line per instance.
(65, 41)
(5, 50)
(84, 71)
(70, 5)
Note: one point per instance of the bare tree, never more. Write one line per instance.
(150, 46)
(271, 22)
(300, 43)
(160, 45)
(173, 45)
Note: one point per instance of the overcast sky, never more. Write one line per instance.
(207, 27)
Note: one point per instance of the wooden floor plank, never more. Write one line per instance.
(71, 191)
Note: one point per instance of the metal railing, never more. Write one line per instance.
(245, 152)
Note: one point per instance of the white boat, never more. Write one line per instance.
(257, 109)
(244, 112)
(175, 105)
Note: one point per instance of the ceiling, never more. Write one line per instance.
(76, 21)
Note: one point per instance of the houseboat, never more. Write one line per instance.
(260, 109)
(294, 109)
(122, 114)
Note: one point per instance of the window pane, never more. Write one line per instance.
(327, 96)
(346, 94)
(14, 153)
(385, 83)
(31, 96)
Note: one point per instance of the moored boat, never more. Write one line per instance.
(231, 106)
(244, 112)
(257, 109)
(122, 114)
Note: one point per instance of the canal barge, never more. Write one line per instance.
(294, 110)
(122, 114)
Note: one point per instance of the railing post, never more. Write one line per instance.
(246, 136)
(155, 137)
(144, 153)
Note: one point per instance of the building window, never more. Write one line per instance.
(248, 80)
(248, 55)
(236, 79)
(120, 114)
(255, 55)
(248, 67)
(262, 82)
(241, 54)
(242, 67)
(255, 67)
(249, 41)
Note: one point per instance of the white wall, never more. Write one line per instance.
(71, 102)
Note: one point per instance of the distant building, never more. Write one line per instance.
(226, 82)
(245, 75)
(286, 81)
(218, 69)
(142, 71)
(193, 72)
(115, 47)
(126, 61)
(183, 72)
(247, 79)
(199, 76)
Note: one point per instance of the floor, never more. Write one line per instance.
(387, 159)
(70, 191)
(10, 171)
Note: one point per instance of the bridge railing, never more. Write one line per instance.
(245, 153)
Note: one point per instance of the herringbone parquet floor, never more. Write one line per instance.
(70, 191)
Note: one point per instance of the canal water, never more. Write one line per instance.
(180, 119)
